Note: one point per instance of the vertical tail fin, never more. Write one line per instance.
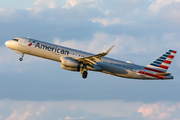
(162, 64)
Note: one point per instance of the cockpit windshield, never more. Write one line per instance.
(15, 39)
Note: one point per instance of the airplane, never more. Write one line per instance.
(76, 60)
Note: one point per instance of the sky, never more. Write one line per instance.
(40, 89)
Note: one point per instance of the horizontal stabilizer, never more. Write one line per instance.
(163, 74)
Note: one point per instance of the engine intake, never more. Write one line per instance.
(70, 64)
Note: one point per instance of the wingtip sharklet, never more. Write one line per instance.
(107, 51)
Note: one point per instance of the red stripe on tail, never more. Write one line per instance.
(166, 61)
(164, 67)
(154, 70)
(174, 52)
(170, 56)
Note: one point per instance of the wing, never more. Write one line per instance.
(94, 58)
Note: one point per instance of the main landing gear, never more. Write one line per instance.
(84, 74)
(21, 58)
(83, 71)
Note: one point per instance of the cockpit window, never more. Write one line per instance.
(15, 39)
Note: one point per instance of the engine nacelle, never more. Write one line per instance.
(70, 64)
(70, 68)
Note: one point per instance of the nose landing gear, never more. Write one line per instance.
(21, 58)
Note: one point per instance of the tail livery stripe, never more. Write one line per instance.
(168, 53)
(157, 62)
(165, 55)
(154, 70)
(163, 62)
(166, 61)
(170, 56)
(154, 65)
(171, 51)
(164, 67)
(163, 58)
(150, 74)
(160, 60)
(174, 52)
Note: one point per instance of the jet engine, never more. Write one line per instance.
(70, 64)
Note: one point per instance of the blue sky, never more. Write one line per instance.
(39, 89)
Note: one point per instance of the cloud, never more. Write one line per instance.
(95, 45)
(40, 5)
(171, 13)
(76, 118)
(159, 111)
(159, 4)
(106, 12)
(48, 3)
(70, 43)
(18, 116)
(2, 10)
(62, 110)
(165, 10)
(26, 110)
(107, 22)
(72, 3)
(29, 8)
(6, 13)
(87, 110)
(102, 41)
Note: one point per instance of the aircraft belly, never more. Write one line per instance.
(138, 76)
(128, 75)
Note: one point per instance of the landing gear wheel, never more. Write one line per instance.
(84, 75)
(20, 59)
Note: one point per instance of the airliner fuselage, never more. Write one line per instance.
(76, 60)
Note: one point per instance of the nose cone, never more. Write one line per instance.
(11, 44)
(7, 43)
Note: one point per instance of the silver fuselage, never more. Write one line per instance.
(56, 52)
